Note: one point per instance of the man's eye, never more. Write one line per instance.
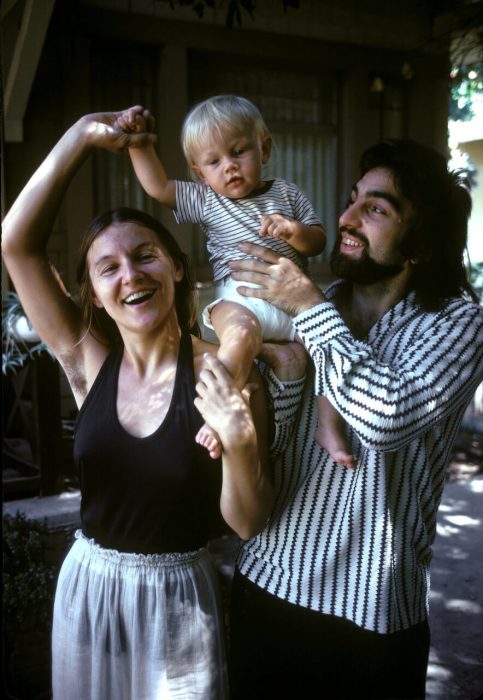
(377, 210)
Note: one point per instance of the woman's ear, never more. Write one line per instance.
(178, 273)
(96, 301)
(266, 149)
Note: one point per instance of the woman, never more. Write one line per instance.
(136, 610)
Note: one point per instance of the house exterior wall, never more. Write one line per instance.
(354, 41)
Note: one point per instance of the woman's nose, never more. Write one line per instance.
(129, 272)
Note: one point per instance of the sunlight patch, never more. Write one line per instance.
(467, 606)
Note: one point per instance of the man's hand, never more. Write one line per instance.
(281, 282)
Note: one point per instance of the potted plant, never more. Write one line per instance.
(19, 340)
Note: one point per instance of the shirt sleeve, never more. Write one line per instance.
(303, 210)
(435, 367)
(284, 398)
(190, 202)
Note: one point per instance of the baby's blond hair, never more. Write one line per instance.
(220, 114)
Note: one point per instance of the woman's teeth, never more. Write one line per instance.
(137, 297)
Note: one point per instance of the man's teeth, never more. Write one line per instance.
(132, 298)
(349, 241)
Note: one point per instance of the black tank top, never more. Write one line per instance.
(159, 493)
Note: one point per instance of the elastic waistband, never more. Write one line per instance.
(134, 559)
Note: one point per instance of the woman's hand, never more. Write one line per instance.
(105, 130)
(223, 406)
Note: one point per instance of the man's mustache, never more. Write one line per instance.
(354, 233)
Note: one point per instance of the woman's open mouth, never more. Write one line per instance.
(139, 297)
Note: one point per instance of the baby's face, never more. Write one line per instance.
(231, 163)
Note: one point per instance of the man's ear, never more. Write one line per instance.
(197, 171)
(266, 148)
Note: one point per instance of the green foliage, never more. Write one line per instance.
(234, 8)
(15, 351)
(466, 83)
(476, 279)
(28, 582)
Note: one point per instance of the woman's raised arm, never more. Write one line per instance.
(29, 223)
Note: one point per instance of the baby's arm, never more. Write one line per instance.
(308, 240)
(147, 166)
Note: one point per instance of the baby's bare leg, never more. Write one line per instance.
(330, 433)
(240, 336)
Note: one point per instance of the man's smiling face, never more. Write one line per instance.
(371, 229)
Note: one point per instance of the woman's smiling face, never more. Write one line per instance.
(132, 276)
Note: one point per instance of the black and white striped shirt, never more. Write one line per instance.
(357, 544)
(227, 222)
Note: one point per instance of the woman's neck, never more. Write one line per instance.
(146, 354)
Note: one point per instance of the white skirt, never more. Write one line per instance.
(137, 627)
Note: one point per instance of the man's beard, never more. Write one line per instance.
(364, 270)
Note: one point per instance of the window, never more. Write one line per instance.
(122, 75)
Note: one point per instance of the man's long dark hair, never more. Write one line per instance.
(185, 294)
(437, 235)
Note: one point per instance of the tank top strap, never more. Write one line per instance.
(186, 372)
(106, 381)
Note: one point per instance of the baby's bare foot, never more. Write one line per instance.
(208, 438)
(336, 446)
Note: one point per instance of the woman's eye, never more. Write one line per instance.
(108, 269)
(147, 257)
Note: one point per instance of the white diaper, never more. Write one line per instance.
(276, 324)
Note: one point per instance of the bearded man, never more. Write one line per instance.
(330, 600)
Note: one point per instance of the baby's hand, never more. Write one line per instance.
(136, 120)
(277, 226)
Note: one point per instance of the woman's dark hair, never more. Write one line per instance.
(97, 319)
(437, 235)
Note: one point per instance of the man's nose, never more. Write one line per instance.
(351, 216)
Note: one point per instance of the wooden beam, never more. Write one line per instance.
(21, 72)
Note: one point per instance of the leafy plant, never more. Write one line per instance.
(28, 582)
(15, 350)
(476, 278)
(466, 85)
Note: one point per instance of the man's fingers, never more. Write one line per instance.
(254, 292)
(259, 251)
